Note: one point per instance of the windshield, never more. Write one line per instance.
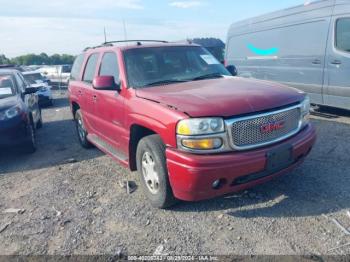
(7, 87)
(33, 78)
(164, 65)
(66, 69)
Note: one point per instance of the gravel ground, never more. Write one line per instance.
(73, 203)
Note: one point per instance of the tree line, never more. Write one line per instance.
(42, 59)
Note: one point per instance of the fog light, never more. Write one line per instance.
(202, 144)
(216, 184)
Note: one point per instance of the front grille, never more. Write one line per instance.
(248, 132)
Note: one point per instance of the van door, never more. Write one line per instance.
(109, 105)
(338, 64)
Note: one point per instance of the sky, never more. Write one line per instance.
(68, 26)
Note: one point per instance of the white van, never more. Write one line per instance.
(307, 47)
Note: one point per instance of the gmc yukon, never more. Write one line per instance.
(176, 115)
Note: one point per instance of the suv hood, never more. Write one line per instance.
(223, 97)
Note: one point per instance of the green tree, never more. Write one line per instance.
(4, 60)
(42, 59)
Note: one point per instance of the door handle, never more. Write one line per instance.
(94, 98)
(316, 62)
(336, 62)
(80, 93)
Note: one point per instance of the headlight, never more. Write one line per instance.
(10, 113)
(202, 135)
(200, 126)
(305, 106)
(305, 110)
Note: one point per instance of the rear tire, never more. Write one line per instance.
(81, 131)
(151, 165)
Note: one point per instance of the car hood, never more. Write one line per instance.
(224, 97)
(8, 102)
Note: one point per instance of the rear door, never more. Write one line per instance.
(88, 94)
(338, 62)
(109, 104)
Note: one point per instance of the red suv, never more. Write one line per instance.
(177, 116)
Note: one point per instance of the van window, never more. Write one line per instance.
(307, 39)
(343, 34)
(77, 67)
(109, 66)
(90, 68)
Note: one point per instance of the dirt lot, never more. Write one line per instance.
(79, 207)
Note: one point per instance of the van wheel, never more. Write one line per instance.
(30, 144)
(151, 165)
(81, 131)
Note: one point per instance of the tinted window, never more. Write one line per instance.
(7, 87)
(109, 66)
(343, 34)
(75, 73)
(90, 68)
(149, 66)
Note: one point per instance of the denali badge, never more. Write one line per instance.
(270, 127)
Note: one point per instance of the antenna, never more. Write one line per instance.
(104, 31)
(125, 34)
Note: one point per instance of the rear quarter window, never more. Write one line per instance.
(76, 69)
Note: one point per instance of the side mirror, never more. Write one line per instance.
(232, 69)
(30, 90)
(105, 83)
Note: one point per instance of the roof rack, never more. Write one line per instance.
(138, 42)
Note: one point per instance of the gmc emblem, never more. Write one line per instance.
(270, 127)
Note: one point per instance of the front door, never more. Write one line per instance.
(109, 106)
(87, 93)
(338, 64)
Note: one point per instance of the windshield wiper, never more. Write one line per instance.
(166, 82)
(208, 76)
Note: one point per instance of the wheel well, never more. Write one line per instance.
(75, 107)
(137, 132)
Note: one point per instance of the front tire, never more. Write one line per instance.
(81, 131)
(30, 145)
(151, 165)
(40, 121)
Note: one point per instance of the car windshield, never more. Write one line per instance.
(7, 87)
(153, 66)
(33, 78)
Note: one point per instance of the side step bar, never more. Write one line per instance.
(107, 148)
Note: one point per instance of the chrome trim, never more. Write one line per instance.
(230, 122)
(224, 148)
